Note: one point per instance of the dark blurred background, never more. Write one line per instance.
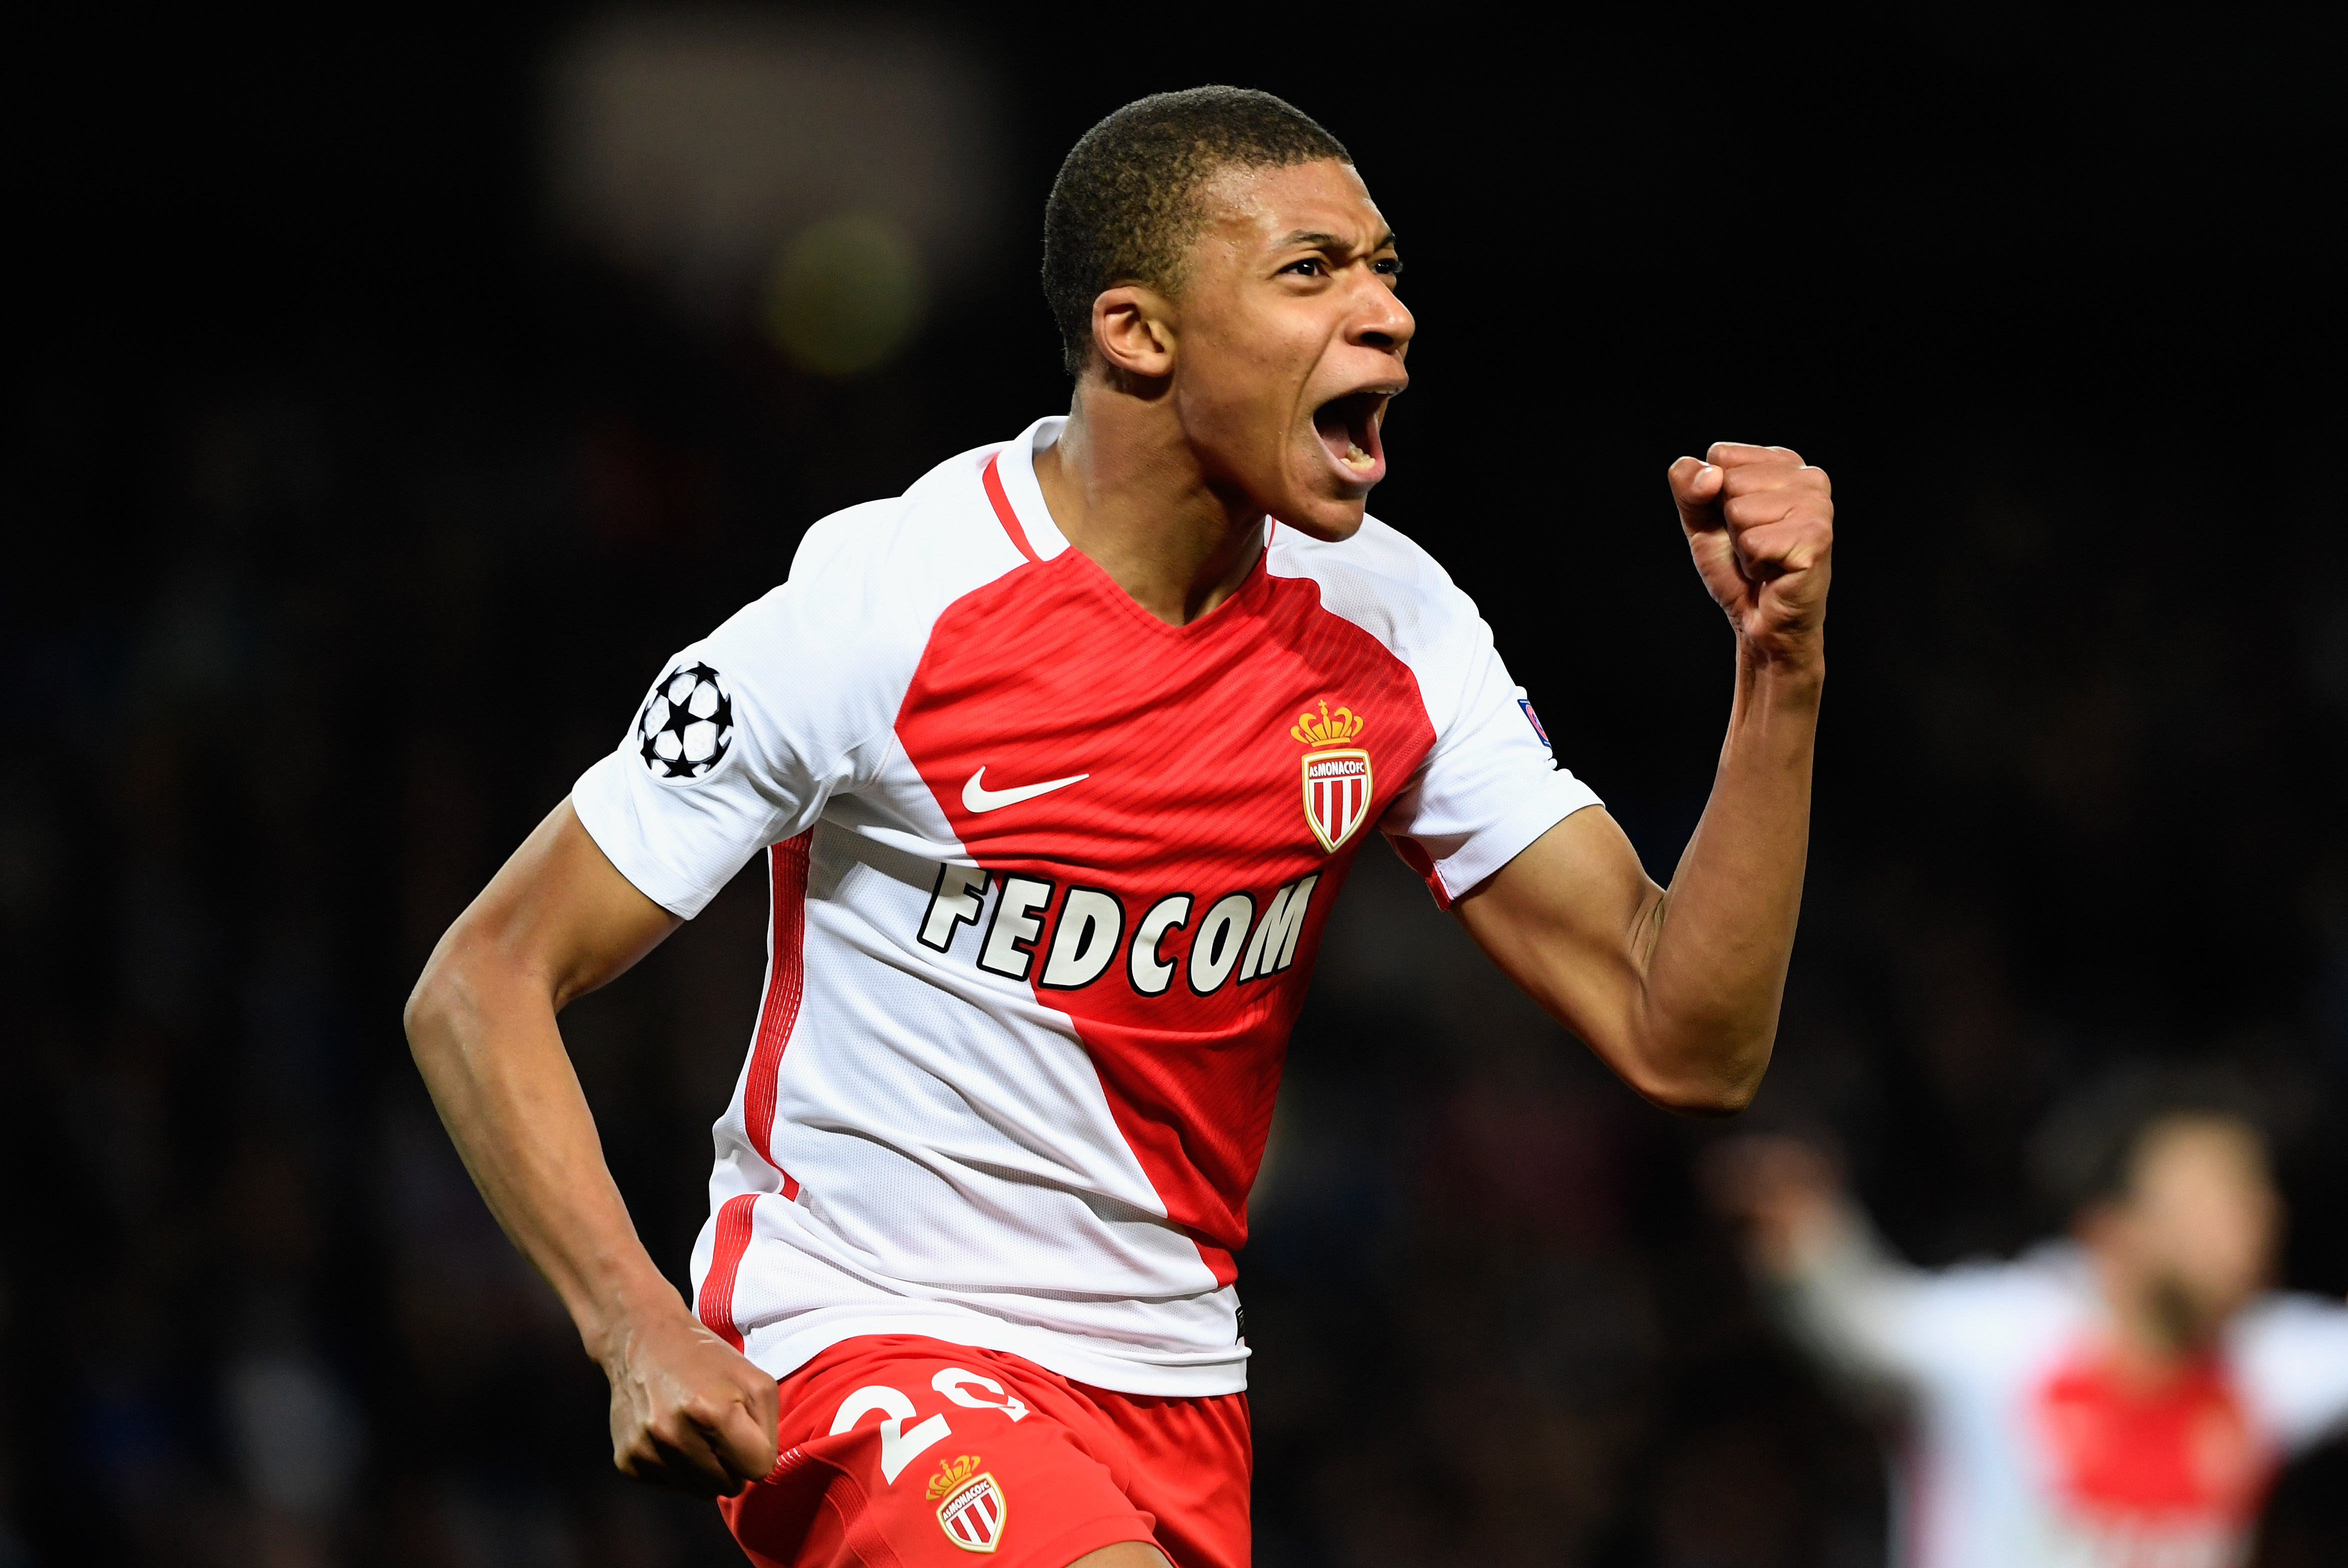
(391, 391)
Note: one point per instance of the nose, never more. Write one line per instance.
(1380, 320)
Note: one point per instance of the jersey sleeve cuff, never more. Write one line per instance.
(1487, 852)
(609, 814)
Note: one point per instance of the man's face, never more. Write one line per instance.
(2201, 1219)
(1290, 341)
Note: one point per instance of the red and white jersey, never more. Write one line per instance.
(2029, 1447)
(1049, 878)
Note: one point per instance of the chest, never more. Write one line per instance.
(1058, 726)
(1157, 815)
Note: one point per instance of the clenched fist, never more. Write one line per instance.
(1760, 523)
(689, 1412)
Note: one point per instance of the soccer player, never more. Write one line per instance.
(2119, 1397)
(1058, 761)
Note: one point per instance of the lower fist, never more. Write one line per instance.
(689, 1412)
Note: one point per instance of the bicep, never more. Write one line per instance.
(1567, 921)
(560, 913)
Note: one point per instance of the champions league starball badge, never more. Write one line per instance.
(686, 726)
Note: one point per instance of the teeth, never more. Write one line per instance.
(1358, 459)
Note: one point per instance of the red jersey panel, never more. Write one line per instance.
(2185, 1449)
(1189, 815)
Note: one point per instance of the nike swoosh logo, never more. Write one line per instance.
(977, 797)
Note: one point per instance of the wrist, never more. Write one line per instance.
(610, 1318)
(1792, 671)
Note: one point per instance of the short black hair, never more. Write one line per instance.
(2084, 1153)
(1125, 207)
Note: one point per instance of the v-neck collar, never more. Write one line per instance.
(1039, 538)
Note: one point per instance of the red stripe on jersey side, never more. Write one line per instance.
(717, 1307)
(786, 984)
(993, 482)
(1414, 855)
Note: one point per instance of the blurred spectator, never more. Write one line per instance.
(2120, 1397)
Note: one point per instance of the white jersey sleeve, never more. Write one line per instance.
(1856, 1310)
(751, 730)
(2291, 1353)
(1489, 787)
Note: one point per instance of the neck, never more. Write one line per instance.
(2155, 1331)
(1126, 488)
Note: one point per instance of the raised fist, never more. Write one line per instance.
(1760, 524)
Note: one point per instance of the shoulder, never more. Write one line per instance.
(2291, 1352)
(922, 549)
(1999, 1311)
(2292, 1324)
(1382, 581)
(877, 574)
(1985, 1284)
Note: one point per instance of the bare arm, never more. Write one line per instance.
(557, 921)
(1817, 1264)
(1678, 990)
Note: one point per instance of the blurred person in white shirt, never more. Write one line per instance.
(2121, 1398)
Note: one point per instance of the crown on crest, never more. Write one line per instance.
(951, 1474)
(1328, 728)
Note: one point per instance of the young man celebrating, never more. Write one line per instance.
(1058, 760)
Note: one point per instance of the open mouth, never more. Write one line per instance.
(1348, 426)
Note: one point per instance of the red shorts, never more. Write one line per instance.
(905, 1452)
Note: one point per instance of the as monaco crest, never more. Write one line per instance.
(975, 1510)
(1336, 777)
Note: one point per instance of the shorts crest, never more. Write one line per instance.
(974, 1511)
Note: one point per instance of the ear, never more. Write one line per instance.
(1133, 332)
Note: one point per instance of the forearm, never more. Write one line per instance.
(1841, 1295)
(1677, 989)
(555, 922)
(484, 1036)
(1715, 945)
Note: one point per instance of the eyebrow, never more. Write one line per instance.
(1315, 239)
